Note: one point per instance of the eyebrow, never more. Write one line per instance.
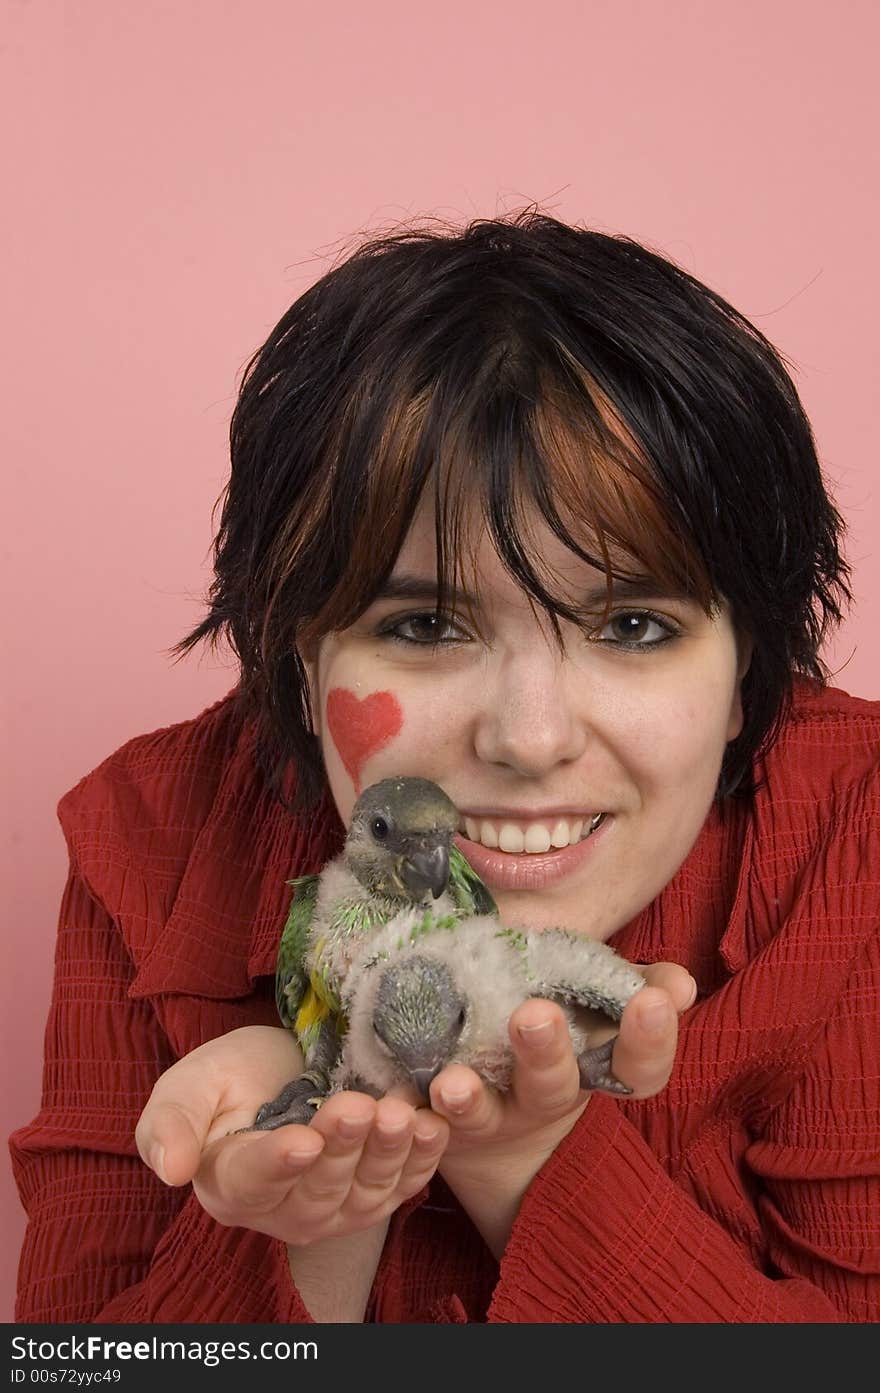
(411, 587)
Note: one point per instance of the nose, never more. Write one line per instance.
(532, 715)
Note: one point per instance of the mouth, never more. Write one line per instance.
(539, 868)
(530, 838)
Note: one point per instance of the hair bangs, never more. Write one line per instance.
(380, 445)
(598, 490)
(561, 454)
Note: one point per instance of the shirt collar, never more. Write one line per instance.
(224, 928)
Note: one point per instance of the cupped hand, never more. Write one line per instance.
(500, 1139)
(355, 1163)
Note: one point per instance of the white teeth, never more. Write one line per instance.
(510, 838)
(488, 836)
(535, 838)
(559, 836)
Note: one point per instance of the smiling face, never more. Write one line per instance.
(623, 731)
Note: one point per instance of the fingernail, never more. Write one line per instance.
(389, 1135)
(454, 1100)
(294, 1160)
(536, 1034)
(157, 1162)
(656, 1017)
(692, 998)
(353, 1127)
(428, 1138)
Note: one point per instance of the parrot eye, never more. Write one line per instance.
(379, 828)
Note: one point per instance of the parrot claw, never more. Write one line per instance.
(297, 1102)
(595, 1070)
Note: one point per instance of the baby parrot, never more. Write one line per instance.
(398, 850)
(432, 990)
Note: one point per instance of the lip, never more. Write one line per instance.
(529, 814)
(505, 870)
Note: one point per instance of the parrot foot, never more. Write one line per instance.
(297, 1102)
(595, 1070)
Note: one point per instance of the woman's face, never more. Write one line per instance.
(533, 744)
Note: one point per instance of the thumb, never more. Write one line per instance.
(173, 1128)
(170, 1141)
(213, 1090)
(675, 980)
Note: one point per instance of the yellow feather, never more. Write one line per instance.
(313, 1011)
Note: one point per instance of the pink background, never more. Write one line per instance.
(182, 170)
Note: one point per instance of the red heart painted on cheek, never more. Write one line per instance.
(360, 728)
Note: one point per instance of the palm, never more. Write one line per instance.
(257, 1059)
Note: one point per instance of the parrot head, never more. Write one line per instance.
(399, 838)
(419, 1015)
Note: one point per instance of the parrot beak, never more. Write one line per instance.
(426, 870)
(422, 1078)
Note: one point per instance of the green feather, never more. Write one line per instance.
(290, 976)
(466, 887)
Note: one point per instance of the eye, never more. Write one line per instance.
(428, 630)
(460, 1019)
(637, 628)
(379, 828)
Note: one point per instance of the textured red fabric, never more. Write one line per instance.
(747, 1191)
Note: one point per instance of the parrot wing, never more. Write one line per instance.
(291, 979)
(564, 966)
(466, 888)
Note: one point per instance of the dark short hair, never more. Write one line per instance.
(531, 363)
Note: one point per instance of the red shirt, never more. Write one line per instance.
(748, 1190)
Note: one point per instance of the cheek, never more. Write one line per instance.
(674, 745)
(360, 727)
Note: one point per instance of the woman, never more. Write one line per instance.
(526, 510)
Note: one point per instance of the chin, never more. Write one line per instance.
(520, 916)
(540, 913)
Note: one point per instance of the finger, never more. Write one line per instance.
(429, 1142)
(385, 1153)
(673, 979)
(644, 1052)
(169, 1137)
(252, 1172)
(344, 1121)
(459, 1095)
(430, 1132)
(173, 1127)
(545, 1079)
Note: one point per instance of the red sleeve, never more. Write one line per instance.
(605, 1235)
(107, 1241)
